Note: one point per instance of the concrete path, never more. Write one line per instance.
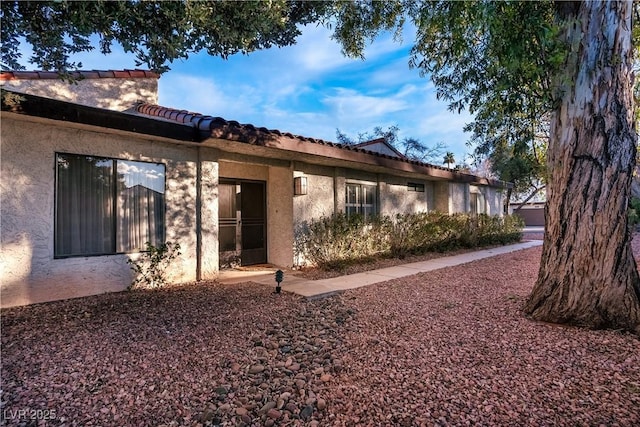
(313, 289)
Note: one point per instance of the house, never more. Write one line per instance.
(84, 186)
(532, 213)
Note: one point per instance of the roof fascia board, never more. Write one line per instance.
(37, 106)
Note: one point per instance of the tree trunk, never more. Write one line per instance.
(588, 276)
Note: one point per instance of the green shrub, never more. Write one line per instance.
(150, 268)
(634, 212)
(333, 242)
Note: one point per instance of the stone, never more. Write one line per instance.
(306, 412)
(325, 378)
(274, 414)
(246, 419)
(241, 411)
(256, 369)
(267, 406)
(291, 407)
(321, 404)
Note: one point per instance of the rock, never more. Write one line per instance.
(321, 404)
(269, 423)
(235, 367)
(318, 371)
(300, 384)
(256, 369)
(268, 406)
(280, 403)
(274, 414)
(294, 367)
(291, 407)
(325, 378)
(241, 411)
(306, 412)
(246, 419)
(225, 407)
(285, 396)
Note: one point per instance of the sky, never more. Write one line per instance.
(310, 89)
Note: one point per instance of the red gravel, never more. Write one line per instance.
(449, 347)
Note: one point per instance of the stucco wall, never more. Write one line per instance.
(209, 213)
(280, 216)
(111, 93)
(495, 201)
(29, 273)
(396, 198)
(441, 197)
(319, 201)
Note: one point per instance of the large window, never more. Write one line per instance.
(361, 199)
(107, 206)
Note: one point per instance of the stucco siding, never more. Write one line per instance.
(209, 214)
(280, 217)
(29, 271)
(495, 201)
(110, 93)
(319, 200)
(396, 198)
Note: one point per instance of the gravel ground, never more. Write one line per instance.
(449, 347)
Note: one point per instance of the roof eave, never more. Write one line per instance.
(37, 106)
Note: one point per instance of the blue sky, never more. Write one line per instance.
(310, 89)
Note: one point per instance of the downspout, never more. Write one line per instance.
(198, 215)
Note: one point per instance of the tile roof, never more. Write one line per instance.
(233, 130)
(87, 74)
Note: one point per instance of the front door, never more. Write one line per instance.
(242, 223)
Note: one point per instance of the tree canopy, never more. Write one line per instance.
(156, 32)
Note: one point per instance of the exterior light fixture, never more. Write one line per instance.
(279, 279)
(300, 186)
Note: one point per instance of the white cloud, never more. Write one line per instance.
(356, 105)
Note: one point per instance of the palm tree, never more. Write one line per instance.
(448, 159)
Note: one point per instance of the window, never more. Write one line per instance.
(106, 206)
(414, 186)
(361, 199)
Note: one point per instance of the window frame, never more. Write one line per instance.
(416, 187)
(114, 207)
(361, 204)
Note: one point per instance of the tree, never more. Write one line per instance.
(588, 275)
(411, 148)
(156, 32)
(573, 61)
(448, 159)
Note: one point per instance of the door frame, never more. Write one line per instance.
(230, 259)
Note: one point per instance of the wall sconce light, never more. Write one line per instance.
(300, 187)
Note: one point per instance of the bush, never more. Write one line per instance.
(150, 268)
(339, 240)
(634, 213)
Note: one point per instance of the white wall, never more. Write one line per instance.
(116, 94)
(29, 272)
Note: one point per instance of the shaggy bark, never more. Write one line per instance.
(588, 276)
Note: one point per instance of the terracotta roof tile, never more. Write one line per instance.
(233, 130)
(85, 74)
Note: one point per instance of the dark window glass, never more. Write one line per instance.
(106, 206)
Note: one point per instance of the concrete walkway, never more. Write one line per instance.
(312, 289)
